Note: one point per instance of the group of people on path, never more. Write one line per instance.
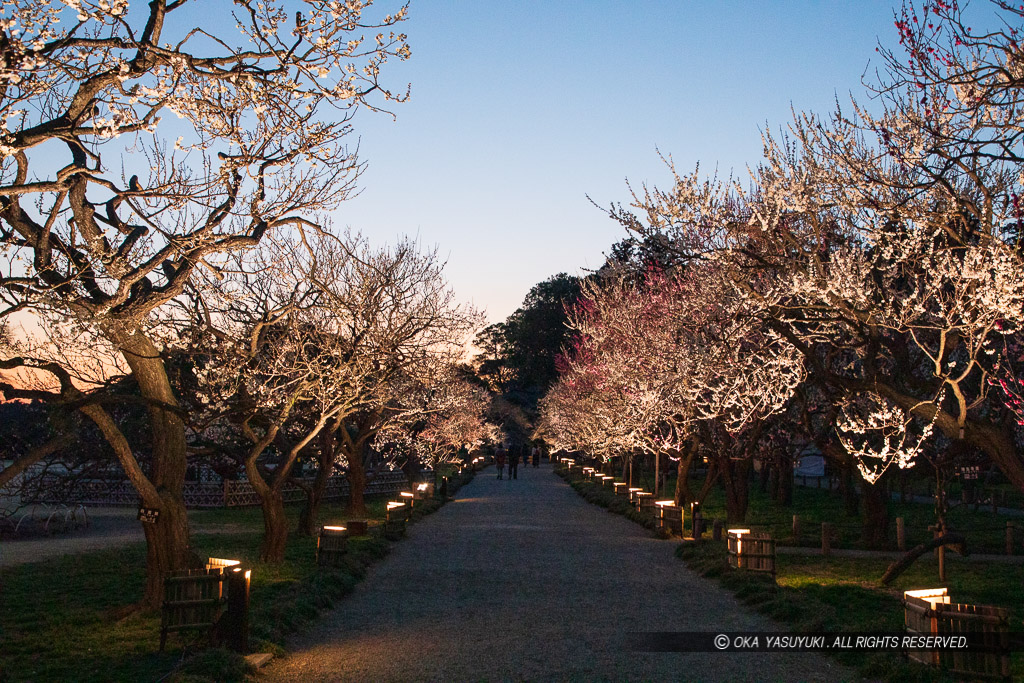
(512, 457)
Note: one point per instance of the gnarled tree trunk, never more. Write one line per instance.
(167, 541)
(275, 526)
(784, 467)
(875, 529)
(356, 487)
(736, 481)
(315, 493)
(275, 523)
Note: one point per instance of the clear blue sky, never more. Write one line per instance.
(520, 109)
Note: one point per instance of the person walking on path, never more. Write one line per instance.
(499, 460)
(536, 457)
(513, 463)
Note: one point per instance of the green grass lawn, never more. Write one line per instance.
(816, 594)
(985, 530)
(72, 619)
(252, 517)
(837, 594)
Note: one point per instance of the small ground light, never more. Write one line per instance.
(220, 563)
(394, 522)
(933, 596)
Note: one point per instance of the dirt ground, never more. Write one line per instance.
(108, 528)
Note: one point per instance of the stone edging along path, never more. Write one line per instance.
(524, 580)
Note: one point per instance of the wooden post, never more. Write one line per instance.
(716, 530)
(657, 471)
(940, 551)
(901, 534)
(235, 621)
(826, 539)
(796, 528)
(1009, 538)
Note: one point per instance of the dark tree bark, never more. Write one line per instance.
(688, 456)
(357, 488)
(682, 494)
(269, 486)
(275, 527)
(356, 434)
(167, 541)
(736, 481)
(106, 253)
(875, 528)
(848, 485)
(734, 455)
(784, 466)
(955, 541)
(310, 512)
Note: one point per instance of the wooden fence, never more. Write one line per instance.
(193, 599)
(753, 551)
(331, 546)
(930, 613)
(670, 518)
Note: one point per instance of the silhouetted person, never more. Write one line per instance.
(513, 464)
(499, 461)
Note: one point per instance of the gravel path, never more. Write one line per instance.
(523, 580)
